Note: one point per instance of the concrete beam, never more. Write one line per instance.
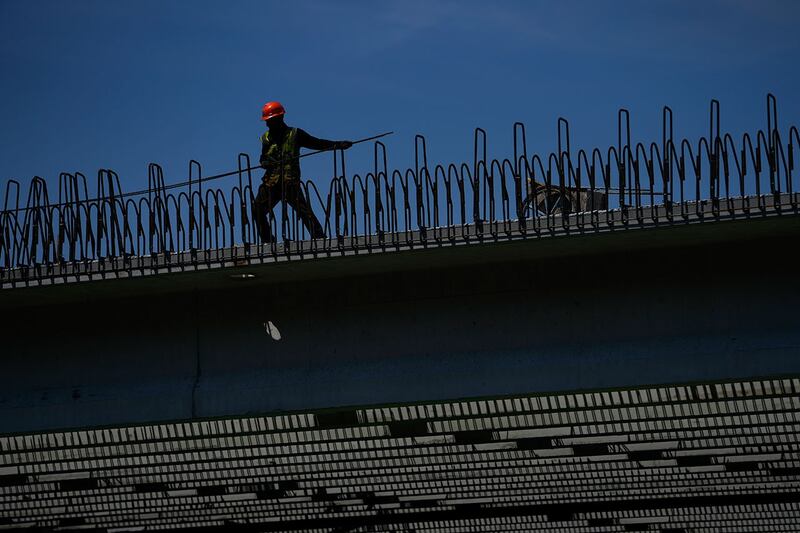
(702, 302)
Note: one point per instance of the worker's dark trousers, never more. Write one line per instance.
(291, 192)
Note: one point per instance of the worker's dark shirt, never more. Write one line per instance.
(303, 140)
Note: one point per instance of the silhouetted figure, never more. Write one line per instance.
(280, 153)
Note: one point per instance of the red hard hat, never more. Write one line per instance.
(272, 109)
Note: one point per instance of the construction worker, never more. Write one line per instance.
(280, 151)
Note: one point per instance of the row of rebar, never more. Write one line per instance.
(527, 194)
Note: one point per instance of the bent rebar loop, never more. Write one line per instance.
(244, 190)
(479, 180)
(794, 135)
(102, 212)
(780, 160)
(392, 198)
(341, 191)
(554, 196)
(503, 169)
(439, 200)
(422, 187)
(669, 156)
(462, 175)
(91, 212)
(237, 211)
(773, 143)
(703, 149)
(730, 152)
(623, 159)
(361, 185)
(307, 187)
(215, 198)
(373, 205)
(614, 163)
(198, 212)
(83, 220)
(142, 208)
(642, 158)
(182, 234)
(72, 238)
(582, 167)
(158, 213)
(440, 173)
(655, 169)
(114, 210)
(350, 191)
(407, 227)
(537, 192)
(566, 172)
(521, 189)
(36, 234)
(329, 208)
(694, 166)
(67, 196)
(114, 239)
(427, 186)
(385, 220)
(756, 157)
(9, 230)
(342, 195)
(171, 240)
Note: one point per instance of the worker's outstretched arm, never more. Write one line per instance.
(304, 140)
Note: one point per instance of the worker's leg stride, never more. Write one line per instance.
(266, 200)
(296, 197)
(291, 192)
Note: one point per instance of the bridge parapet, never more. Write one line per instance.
(626, 186)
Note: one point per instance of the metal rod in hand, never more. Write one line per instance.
(354, 142)
(226, 174)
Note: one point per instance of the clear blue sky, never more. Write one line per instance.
(112, 84)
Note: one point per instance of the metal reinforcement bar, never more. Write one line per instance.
(116, 234)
